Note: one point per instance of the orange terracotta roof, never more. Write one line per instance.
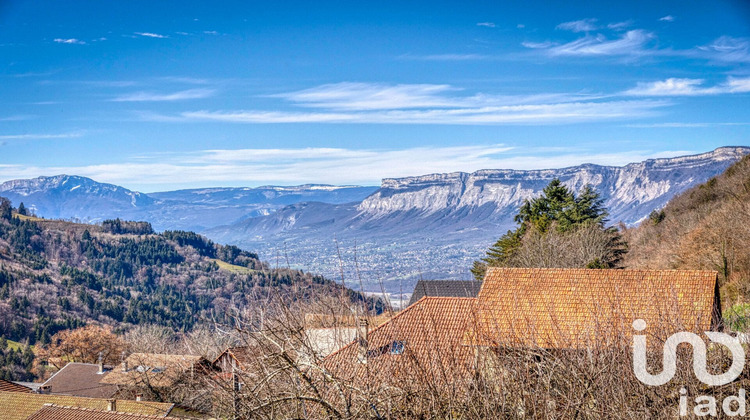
(12, 387)
(19, 406)
(425, 337)
(59, 412)
(567, 308)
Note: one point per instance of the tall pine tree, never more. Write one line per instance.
(556, 208)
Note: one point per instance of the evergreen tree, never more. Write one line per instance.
(556, 208)
(5, 208)
(22, 210)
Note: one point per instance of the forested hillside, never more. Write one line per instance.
(56, 275)
(707, 227)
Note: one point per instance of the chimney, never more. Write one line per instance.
(45, 389)
(362, 332)
(139, 397)
(111, 404)
(101, 363)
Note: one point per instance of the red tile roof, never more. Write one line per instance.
(423, 339)
(578, 307)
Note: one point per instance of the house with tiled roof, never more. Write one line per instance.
(533, 307)
(445, 288)
(82, 380)
(423, 339)
(575, 308)
(19, 406)
(156, 370)
(13, 387)
(60, 412)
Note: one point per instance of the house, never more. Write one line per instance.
(446, 288)
(81, 380)
(577, 308)
(235, 358)
(60, 412)
(532, 307)
(13, 387)
(156, 370)
(423, 339)
(21, 405)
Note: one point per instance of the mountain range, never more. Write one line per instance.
(428, 226)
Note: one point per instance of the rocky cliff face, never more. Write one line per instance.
(434, 226)
(630, 192)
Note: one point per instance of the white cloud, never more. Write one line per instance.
(368, 96)
(689, 125)
(162, 97)
(667, 18)
(538, 45)
(450, 57)
(727, 49)
(69, 41)
(323, 165)
(619, 26)
(631, 43)
(689, 87)
(738, 85)
(18, 117)
(424, 104)
(583, 25)
(151, 35)
(40, 136)
(486, 24)
(557, 113)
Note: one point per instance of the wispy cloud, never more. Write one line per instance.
(667, 18)
(583, 25)
(38, 136)
(486, 24)
(20, 117)
(538, 45)
(324, 165)
(362, 103)
(451, 57)
(163, 97)
(727, 49)
(151, 35)
(562, 113)
(631, 43)
(69, 41)
(368, 96)
(689, 87)
(688, 125)
(619, 26)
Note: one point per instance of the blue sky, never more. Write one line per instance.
(163, 95)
